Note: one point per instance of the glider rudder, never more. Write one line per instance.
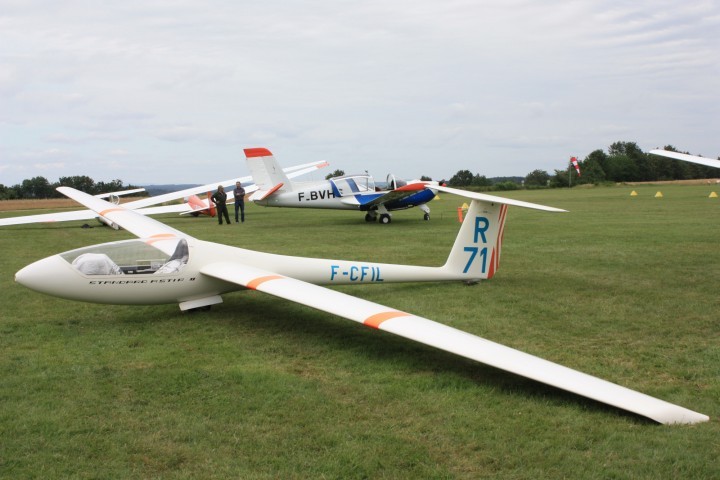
(266, 172)
(477, 248)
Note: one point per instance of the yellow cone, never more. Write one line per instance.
(465, 206)
(658, 195)
(713, 195)
(437, 197)
(633, 193)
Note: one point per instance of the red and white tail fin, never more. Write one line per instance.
(477, 248)
(266, 173)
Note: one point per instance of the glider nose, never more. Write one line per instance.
(41, 275)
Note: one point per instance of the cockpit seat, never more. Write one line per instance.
(96, 264)
(178, 259)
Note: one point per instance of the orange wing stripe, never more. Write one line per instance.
(254, 284)
(110, 210)
(374, 321)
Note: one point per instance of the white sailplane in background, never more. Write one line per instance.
(708, 162)
(347, 192)
(165, 265)
(148, 206)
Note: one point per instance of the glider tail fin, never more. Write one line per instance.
(266, 172)
(477, 248)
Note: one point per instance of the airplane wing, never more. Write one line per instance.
(143, 204)
(708, 162)
(130, 220)
(373, 199)
(229, 184)
(451, 340)
(121, 193)
(492, 198)
(413, 188)
(49, 217)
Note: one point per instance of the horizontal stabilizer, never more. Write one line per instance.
(492, 198)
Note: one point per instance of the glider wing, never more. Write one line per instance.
(132, 221)
(451, 340)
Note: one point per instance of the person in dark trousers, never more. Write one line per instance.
(219, 198)
(239, 193)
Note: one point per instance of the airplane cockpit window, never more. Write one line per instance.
(353, 184)
(130, 257)
(393, 183)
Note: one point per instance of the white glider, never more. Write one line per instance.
(148, 206)
(164, 265)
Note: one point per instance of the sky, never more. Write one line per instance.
(158, 92)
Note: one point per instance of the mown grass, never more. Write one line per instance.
(625, 288)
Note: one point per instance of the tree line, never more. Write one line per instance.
(623, 162)
(40, 187)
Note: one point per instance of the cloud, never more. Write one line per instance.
(172, 83)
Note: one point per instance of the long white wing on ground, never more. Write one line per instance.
(49, 217)
(451, 340)
(130, 220)
(708, 162)
(493, 198)
(144, 203)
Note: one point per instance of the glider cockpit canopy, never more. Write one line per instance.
(129, 257)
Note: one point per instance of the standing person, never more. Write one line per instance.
(239, 193)
(219, 198)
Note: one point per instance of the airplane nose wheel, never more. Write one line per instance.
(385, 218)
(426, 216)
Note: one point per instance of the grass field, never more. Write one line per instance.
(624, 288)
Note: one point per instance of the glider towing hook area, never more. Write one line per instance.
(165, 265)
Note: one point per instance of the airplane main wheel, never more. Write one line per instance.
(426, 216)
(370, 218)
(385, 218)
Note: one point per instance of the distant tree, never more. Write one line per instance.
(111, 186)
(507, 185)
(425, 178)
(36, 187)
(537, 178)
(481, 181)
(560, 179)
(462, 178)
(80, 182)
(336, 173)
(7, 193)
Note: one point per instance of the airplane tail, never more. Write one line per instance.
(477, 248)
(266, 173)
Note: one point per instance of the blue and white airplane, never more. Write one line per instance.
(347, 192)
